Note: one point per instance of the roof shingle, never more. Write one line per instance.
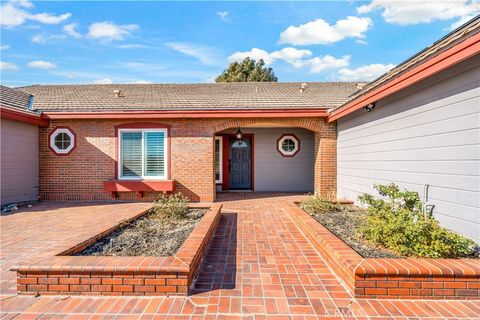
(12, 98)
(244, 95)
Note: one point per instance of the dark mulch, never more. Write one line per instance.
(149, 235)
(344, 224)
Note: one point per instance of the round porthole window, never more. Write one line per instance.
(62, 141)
(288, 145)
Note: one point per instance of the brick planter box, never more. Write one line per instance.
(408, 278)
(95, 275)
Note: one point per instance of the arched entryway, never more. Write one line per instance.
(274, 155)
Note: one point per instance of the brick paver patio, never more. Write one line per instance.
(259, 266)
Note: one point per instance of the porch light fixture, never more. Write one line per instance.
(239, 134)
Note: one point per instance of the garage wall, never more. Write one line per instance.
(19, 162)
(428, 134)
(272, 171)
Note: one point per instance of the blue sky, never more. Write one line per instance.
(184, 42)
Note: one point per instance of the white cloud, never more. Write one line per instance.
(292, 56)
(321, 32)
(361, 42)
(5, 47)
(109, 31)
(70, 29)
(103, 81)
(15, 13)
(42, 39)
(364, 73)
(140, 82)
(205, 55)
(50, 19)
(319, 64)
(255, 54)
(132, 46)
(295, 57)
(39, 39)
(144, 67)
(223, 15)
(8, 66)
(40, 64)
(414, 12)
(12, 14)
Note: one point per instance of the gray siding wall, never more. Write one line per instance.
(19, 162)
(272, 171)
(429, 134)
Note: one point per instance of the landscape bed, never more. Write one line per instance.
(70, 274)
(148, 235)
(343, 222)
(389, 277)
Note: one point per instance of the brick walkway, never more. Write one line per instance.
(259, 266)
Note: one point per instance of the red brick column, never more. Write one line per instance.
(326, 161)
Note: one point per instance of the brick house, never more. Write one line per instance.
(335, 139)
(105, 140)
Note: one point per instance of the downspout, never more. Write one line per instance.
(427, 208)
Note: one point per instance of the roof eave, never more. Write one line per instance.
(183, 114)
(24, 116)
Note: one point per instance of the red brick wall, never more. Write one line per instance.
(408, 278)
(80, 175)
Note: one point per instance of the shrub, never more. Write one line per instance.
(171, 206)
(317, 205)
(398, 223)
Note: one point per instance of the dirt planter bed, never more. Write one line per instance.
(390, 278)
(119, 275)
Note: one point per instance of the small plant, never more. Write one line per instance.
(173, 206)
(398, 223)
(318, 205)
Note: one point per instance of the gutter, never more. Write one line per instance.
(189, 114)
(23, 116)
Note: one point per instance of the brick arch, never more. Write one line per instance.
(315, 125)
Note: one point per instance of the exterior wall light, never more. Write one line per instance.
(370, 107)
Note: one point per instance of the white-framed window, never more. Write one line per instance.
(62, 141)
(288, 145)
(142, 154)
(218, 159)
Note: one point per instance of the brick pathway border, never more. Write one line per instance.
(408, 278)
(95, 275)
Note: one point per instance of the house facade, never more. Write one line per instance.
(417, 126)
(130, 155)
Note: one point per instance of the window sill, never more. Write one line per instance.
(139, 186)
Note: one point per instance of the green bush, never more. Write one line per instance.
(398, 223)
(171, 206)
(317, 205)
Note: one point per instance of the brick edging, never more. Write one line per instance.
(407, 278)
(97, 275)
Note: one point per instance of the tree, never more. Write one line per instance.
(248, 70)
